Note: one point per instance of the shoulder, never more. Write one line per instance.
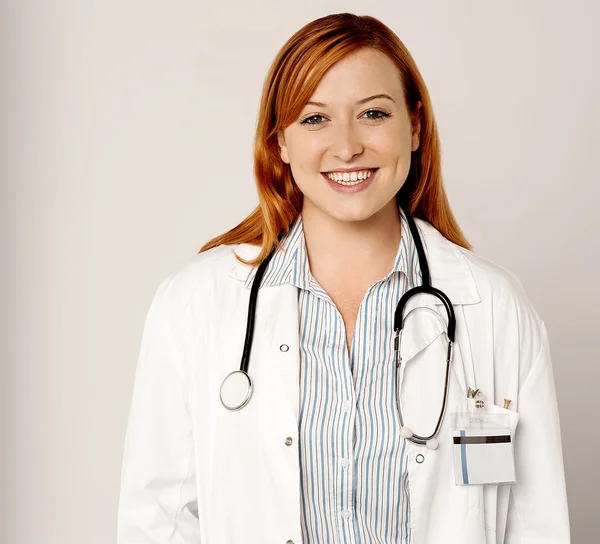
(505, 307)
(497, 282)
(493, 280)
(504, 302)
(197, 278)
(492, 277)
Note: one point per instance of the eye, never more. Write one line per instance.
(307, 119)
(380, 115)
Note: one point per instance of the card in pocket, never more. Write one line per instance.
(483, 446)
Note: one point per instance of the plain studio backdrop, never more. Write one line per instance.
(127, 137)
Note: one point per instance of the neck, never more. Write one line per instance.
(350, 248)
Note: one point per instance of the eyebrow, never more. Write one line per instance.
(363, 101)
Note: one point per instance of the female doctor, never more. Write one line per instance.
(309, 400)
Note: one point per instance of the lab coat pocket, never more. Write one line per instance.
(490, 499)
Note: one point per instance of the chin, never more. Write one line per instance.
(351, 213)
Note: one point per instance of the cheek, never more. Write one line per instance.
(394, 141)
(304, 152)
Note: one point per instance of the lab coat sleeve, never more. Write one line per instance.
(538, 510)
(158, 501)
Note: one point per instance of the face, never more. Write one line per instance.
(341, 128)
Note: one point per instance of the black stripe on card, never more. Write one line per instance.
(481, 439)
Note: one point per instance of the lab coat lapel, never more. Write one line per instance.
(425, 317)
(277, 316)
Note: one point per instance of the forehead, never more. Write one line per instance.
(363, 73)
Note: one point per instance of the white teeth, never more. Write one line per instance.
(350, 178)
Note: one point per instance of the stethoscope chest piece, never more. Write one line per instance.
(236, 390)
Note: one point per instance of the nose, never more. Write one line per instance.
(346, 141)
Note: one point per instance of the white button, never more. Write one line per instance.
(344, 462)
(346, 405)
(345, 514)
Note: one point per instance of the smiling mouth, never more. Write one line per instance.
(351, 186)
(350, 178)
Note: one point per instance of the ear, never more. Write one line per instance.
(416, 126)
(283, 148)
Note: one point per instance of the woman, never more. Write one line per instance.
(347, 162)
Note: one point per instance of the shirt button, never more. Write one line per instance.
(345, 514)
(346, 405)
(290, 542)
(344, 462)
(284, 347)
(420, 458)
(289, 441)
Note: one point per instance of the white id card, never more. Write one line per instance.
(483, 446)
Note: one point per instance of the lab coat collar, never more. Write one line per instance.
(448, 267)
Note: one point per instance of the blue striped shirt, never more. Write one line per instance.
(354, 479)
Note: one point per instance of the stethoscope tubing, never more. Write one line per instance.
(425, 288)
(252, 311)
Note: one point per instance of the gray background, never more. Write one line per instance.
(127, 143)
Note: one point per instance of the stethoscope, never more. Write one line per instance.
(236, 389)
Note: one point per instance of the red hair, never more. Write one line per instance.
(291, 81)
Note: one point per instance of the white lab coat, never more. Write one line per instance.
(196, 473)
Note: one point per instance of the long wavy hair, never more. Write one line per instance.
(291, 81)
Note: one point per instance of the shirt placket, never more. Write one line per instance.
(347, 414)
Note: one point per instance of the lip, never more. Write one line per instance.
(351, 188)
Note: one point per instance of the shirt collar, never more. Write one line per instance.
(290, 262)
